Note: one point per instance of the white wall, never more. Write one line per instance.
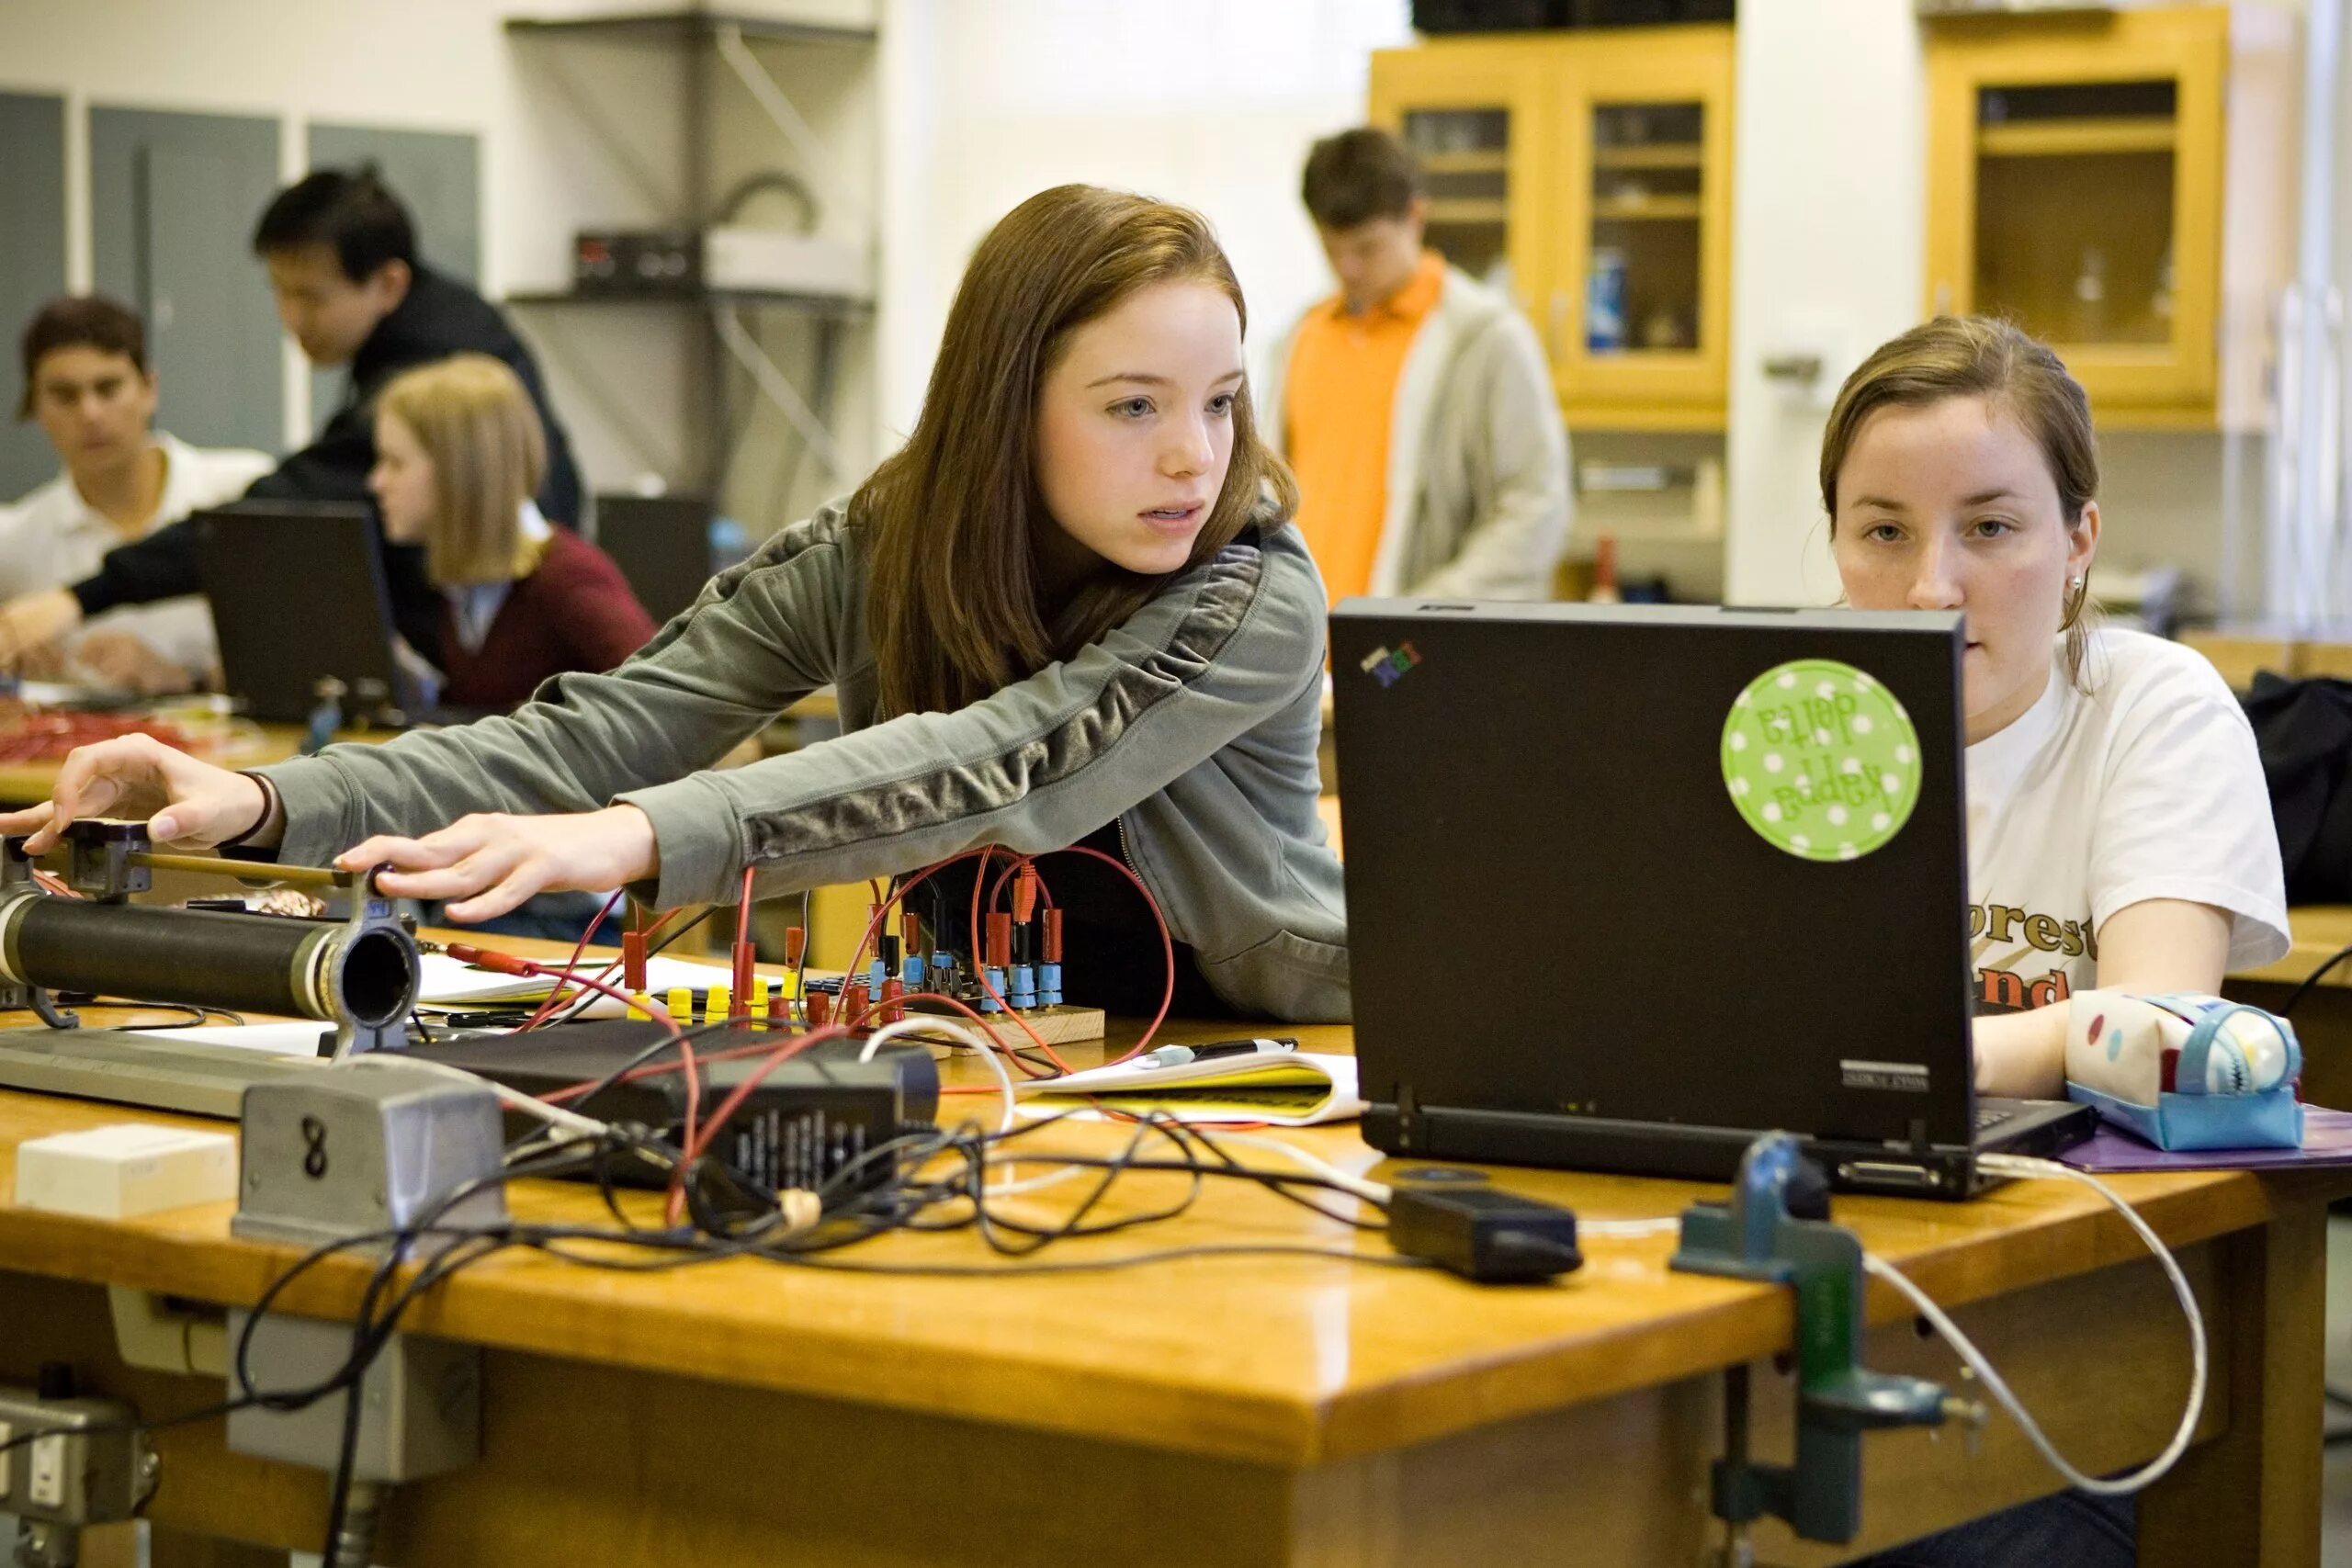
(1211, 103)
(1828, 252)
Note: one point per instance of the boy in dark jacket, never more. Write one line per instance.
(341, 252)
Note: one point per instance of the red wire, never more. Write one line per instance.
(881, 917)
(571, 977)
(980, 968)
(555, 992)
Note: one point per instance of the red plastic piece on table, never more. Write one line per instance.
(738, 1004)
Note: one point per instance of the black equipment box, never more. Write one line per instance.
(815, 1118)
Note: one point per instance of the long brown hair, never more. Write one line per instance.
(1981, 356)
(954, 602)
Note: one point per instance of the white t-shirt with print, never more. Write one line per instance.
(54, 538)
(2149, 787)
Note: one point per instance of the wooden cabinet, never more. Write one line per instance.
(2083, 171)
(1477, 115)
(1589, 174)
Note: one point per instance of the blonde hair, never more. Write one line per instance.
(1981, 356)
(477, 425)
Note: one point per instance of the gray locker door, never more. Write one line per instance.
(194, 302)
(437, 174)
(32, 264)
(173, 202)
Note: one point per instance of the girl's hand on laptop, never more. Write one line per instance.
(186, 802)
(491, 862)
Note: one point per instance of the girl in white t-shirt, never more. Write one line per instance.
(2118, 831)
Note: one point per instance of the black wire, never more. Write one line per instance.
(2312, 979)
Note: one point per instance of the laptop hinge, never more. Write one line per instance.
(1920, 1145)
(1407, 1111)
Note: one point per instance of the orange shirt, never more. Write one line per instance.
(1338, 399)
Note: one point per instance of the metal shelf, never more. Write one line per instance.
(685, 25)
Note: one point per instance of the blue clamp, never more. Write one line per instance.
(1757, 1236)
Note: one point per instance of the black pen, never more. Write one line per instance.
(1177, 1055)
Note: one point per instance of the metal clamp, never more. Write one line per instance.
(1777, 1229)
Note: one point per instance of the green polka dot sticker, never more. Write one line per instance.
(1821, 759)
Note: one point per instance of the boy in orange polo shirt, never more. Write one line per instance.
(1414, 405)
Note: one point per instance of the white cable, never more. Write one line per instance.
(513, 1098)
(931, 1024)
(2156, 1469)
(1371, 1191)
(1628, 1228)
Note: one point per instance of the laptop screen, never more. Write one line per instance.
(1657, 864)
(297, 598)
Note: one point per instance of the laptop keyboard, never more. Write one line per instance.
(1990, 1116)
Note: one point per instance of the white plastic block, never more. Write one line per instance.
(47, 1487)
(121, 1171)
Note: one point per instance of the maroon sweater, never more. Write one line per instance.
(575, 613)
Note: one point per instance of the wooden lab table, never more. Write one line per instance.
(1228, 1411)
(2240, 650)
(2324, 1017)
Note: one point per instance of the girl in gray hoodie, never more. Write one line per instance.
(1071, 607)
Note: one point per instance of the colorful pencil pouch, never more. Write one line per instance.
(2185, 1071)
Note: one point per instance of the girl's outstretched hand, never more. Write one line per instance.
(490, 862)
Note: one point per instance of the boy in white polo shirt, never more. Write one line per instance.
(89, 385)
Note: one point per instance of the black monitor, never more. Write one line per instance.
(661, 543)
(298, 601)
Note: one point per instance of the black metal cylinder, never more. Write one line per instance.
(246, 962)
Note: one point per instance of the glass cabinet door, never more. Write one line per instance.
(1464, 155)
(1641, 245)
(1468, 110)
(1638, 313)
(2075, 214)
(2074, 189)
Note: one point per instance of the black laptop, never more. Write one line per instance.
(302, 610)
(661, 543)
(1629, 885)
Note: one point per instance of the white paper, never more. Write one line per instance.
(447, 983)
(300, 1039)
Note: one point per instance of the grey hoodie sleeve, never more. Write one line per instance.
(1037, 765)
(1511, 548)
(762, 636)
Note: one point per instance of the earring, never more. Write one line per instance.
(2077, 583)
